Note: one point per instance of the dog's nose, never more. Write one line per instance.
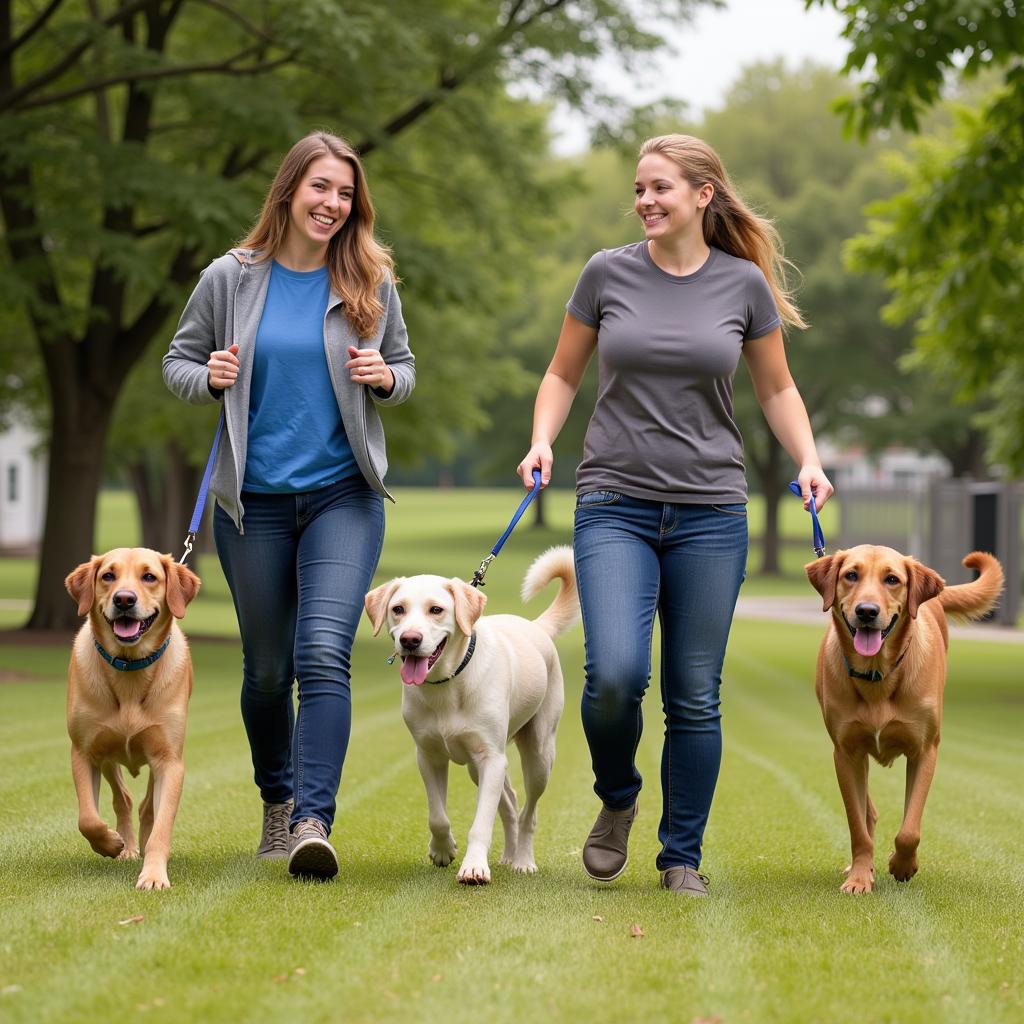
(124, 599)
(410, 641)
(867, 612)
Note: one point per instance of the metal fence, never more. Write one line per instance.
(939, 524)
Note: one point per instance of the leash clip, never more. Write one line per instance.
(478, 576)
(391, 660)
(189, 538)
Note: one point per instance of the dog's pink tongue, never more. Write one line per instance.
(125, 628)
(414, 670)
(867, 642)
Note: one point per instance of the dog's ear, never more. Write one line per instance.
(922, 585)
(377, 600)
(182, 586)
(81, 584)
(469, 604)
(823, 574)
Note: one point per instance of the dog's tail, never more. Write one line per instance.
(967, 601)
(565, 609)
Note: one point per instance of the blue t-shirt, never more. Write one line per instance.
(296, 438)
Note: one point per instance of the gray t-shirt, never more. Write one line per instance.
(667, 348)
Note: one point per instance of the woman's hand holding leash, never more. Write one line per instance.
(368, 367)
(538, 457)
(223, 366)
(812, 480)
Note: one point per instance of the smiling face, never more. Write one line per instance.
(322, 202)
(667, 204)
(872, 589)
(129, 591)
(422, 614)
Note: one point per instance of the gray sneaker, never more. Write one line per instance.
(274, 840)
(604, 852)
(311, 855)
(685, 880)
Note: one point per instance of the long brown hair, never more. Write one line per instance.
(356, 262)
(729, 224)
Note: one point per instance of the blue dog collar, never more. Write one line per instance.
(131, 665)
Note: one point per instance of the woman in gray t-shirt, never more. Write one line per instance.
(661, 494)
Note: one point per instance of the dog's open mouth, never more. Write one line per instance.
(129, 630)
(868, 642)
(415, 669)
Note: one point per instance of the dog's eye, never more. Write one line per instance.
(148, 577)
(436, 609)
(851, 576)
(108, 577)
(892, 580)
(399, 609)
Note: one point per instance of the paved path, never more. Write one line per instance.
(807, 610)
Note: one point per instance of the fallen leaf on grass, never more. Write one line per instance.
(133, 920)
(280, 977)
(597, 917)
(635, 931)
(299, 971)
(707, 1020)
(435, 977)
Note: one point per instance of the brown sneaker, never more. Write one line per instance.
(685, 880)
(274, 840)
(311, 855)
(604, 852)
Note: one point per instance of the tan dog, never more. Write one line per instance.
(880, 677)
(127, 703)
(473, 684)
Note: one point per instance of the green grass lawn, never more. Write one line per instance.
(394, 939)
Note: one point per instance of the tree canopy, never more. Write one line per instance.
(950, 242)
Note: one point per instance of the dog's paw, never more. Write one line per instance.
(106, 843)
(153, 878)
(442, 851)
(902, 869)
(858, 880)
(130, 852)
(474, 872)
(524, 866)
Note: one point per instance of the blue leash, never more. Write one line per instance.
(204, 487)
(818, 538)
(478, 576)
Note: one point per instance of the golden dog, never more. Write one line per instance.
(880, 676)
(129, 682)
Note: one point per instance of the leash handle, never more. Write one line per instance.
(817, 537)
(478, 576)
(204, 487)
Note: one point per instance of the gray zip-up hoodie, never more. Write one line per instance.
(225, 309)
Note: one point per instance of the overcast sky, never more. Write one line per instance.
(709, 51)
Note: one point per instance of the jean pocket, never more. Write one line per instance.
(739, 511)
(592, 498)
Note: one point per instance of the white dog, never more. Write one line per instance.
(473, 684)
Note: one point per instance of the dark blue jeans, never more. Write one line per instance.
(297, 577)
(635, 557)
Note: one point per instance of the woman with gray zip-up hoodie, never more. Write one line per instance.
(299, 333)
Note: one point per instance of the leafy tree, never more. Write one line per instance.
(136, 135)
(950, 243)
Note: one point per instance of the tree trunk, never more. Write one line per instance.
(772, 489)
(538, 510)
(75, 473)
(165, 496)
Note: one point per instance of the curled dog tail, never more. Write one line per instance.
(565, 609)
(967, 601)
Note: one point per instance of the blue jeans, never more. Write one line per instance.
(635, 557)
(297, 578)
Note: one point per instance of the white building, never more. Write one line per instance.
(23, 467)
(851, 467)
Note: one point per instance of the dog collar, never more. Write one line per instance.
(874, 676)
(131, 664)
(465, 661)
